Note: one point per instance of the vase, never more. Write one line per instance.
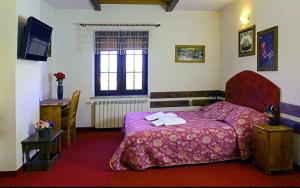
(43, 132)
(60, 90)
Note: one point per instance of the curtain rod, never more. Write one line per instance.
(85, 25)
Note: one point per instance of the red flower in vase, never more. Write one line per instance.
(59, 76)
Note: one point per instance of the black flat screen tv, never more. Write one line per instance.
(36, 41)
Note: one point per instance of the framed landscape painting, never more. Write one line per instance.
(267, 47)
(190, 53)
(247, 41)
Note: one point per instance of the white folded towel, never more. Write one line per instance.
(154, 116)
(169, 121)
(159, 115)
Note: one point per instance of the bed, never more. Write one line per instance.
(219, 132)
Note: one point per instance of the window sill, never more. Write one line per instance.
(119, 97)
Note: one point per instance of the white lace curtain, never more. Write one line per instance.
(121, 41)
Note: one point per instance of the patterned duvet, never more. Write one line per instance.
(202, 140)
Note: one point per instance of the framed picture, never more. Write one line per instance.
(267, 48)
(247, 41)
(190, 53)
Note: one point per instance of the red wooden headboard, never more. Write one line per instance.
(252, 90)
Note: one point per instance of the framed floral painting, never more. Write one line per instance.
(189, 53)
(247, 41)
(267, 47)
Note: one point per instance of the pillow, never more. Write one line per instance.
(214, 106)
(241, 119)
(217, 111)
(240, 113)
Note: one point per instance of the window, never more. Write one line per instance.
(121, 63)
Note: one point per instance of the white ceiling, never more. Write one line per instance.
(182, 5)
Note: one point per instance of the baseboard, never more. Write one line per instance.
(85, 128)
(94, 129)
(9, 174)
(108, 129)
(296, 167)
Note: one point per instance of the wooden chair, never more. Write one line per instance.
(69, 121)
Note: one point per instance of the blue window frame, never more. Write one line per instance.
(121, 72)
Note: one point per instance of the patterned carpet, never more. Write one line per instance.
(85, 163)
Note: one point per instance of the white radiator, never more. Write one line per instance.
(110, 113)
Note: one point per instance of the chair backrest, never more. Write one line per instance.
(73, 108)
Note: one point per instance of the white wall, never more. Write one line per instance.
(31, 78)
(265, 14)
(8, 48)
(73, 49)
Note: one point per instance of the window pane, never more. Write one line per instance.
(129, 81)
(138, 81)
(113, 52)
(104, 63)
(104, 52)
(138, 63)
(104, 81)
(138, 51)
(113, 63)
(113, 81)
(129, 63)
(130, 52)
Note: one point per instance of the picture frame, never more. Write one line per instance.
(267, 49)
(247, 39)
(189, 53)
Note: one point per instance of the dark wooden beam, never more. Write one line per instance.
(96, 5)
(172, 4)
(204, 102)
(290, 123)
(164, 104)
(186, 94)
(290, 109)
(145, 2)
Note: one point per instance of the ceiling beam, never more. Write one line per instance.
(172, 4)
(96, 5)
(146, 2)
(168, 4)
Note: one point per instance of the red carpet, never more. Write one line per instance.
(85, 163)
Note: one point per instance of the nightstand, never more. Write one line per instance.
(273, 147)
(49, 150)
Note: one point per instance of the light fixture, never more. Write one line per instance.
(272, 114)
(245, 19)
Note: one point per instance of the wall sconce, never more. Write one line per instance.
(245, 19)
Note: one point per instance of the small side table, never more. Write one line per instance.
(273, 147)
(48, 147)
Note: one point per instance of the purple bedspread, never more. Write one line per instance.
(202, 139)
(198, 141)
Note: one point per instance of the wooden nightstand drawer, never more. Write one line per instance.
(260, 133)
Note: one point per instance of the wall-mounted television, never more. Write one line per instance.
(36, 41)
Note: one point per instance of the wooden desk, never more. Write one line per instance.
(52, 110)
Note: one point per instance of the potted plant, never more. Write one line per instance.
(43, 127)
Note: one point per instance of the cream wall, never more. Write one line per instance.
(8, 48)
(31, 78)
(73, 49)
(265, 14)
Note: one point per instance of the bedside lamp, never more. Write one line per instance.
(271, 113)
